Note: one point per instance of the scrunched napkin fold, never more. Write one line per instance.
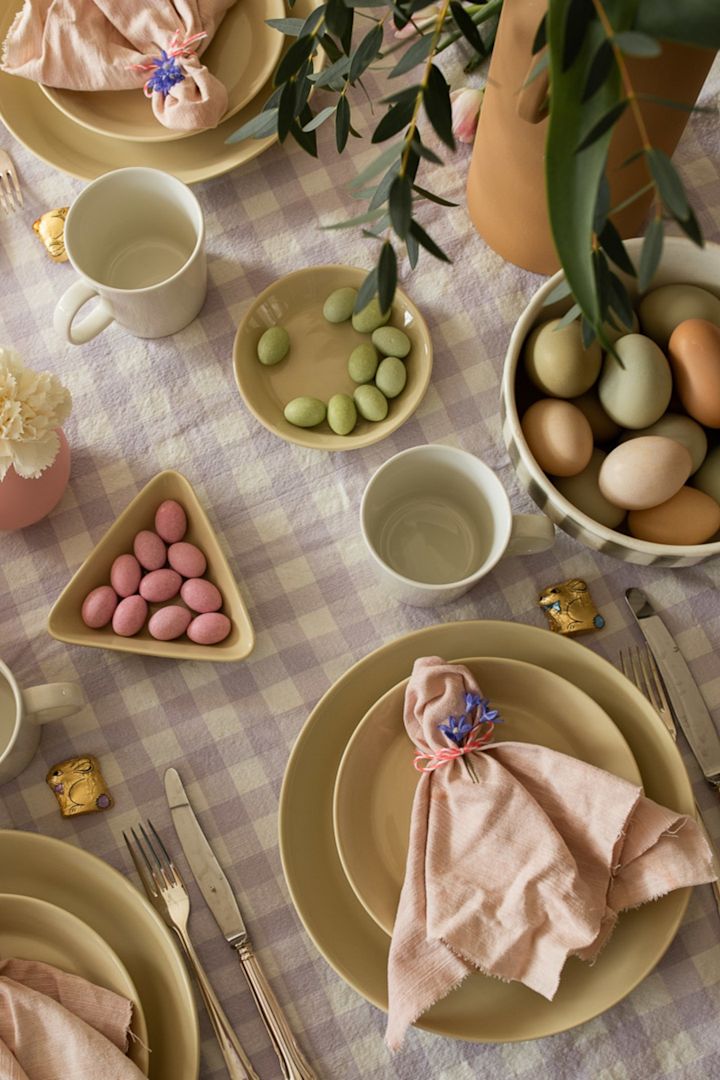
(53, 1024)
(530, 865)
(119, 45)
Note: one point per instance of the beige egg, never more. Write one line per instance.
(584, 492)
(602, 427)
(644, 472)
(665, 308)
(707, 478)
(680, 428)
(556, 361)
(694, 351)
(636, 392)
(559, 436)
(688, 517)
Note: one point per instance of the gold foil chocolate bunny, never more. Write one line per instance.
(79, 787)
(50, 227)
(569, 608)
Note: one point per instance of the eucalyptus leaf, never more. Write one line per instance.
(541, 64)
(291, 27)
(540, 39)
(432, 197)
(602, 204)
(561, 290)
(334, 71)
(437, 106)
(409, 93)
(342, 123)
(695, 22)
(651, 252)
(578, 16)
(691, 228)
(320, 118)
(668, 183)
(569, 317)
(382, 191)
(294, 58)
(424, 151)
(634, 43)
(612, 243)
(603, 124)
(386, 276)
(620, 301)
(601, 66)
(361, 219)
(286, 111)
(377, 164)
(366, 52)
(367, 290)
(588, 332)
(467, 27)
(262, 125)
(418, 51)
(413, 250)
(400, 205)
(306, 139)
(397, 118)
(684, 106)
(427, 242)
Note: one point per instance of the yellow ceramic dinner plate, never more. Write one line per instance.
(34, 121)
(83, 885)
(482, 1009)
(32, 929)
(316, 365)
(65, 621)
(376, 780)
(242, 55)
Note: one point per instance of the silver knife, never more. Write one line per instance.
(687, 702)
(219, 897)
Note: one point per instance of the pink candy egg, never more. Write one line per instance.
(149, 550)
(201, 595)
(169, 622)
(209, 629)
(98, 607)
(160, 585)
(170, 521)
(130, 616)
(125, 575)
(187, 559)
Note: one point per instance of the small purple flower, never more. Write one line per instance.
(457, 729)
(166, 73)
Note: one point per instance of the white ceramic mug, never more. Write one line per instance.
(437, 519)
(21, 714)
(136, 237)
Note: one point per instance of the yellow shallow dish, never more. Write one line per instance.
(482, 1009)
(242, 55)
(65, 622)
(32, 929)
(376, 780)
(316, 365)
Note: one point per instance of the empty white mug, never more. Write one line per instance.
(136, 237)
(437, 519)
(21, 713)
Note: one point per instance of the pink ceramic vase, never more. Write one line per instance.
(23, 501)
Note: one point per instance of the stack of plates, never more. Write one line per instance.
(345, 810)
(67, 908)
(88, 133)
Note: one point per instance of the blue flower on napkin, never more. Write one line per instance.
(457, 729)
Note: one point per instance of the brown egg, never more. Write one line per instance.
(644, 472)
(694, 352)
(689, 517)
(603, 428)
(559, 436)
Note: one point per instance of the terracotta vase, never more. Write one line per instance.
(506, 181)
(24, 501)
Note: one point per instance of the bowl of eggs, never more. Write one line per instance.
(623, 452)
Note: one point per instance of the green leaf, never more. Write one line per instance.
(467, 27)
(400, 205)
(342, 123)
(540, 65)
(695, 22)
(579, 15)
(321, 117)
(612, 243)
(387, 276)
(306, 139)
(570, 316)
(338, 70)
(294, 58)
(602, 64)
(418, 51)
(561, 290)
(313, 21)
(432, 197)
(588, 333)
(392, 153)
(633, 43)
(437, 106)
(337, 16)
(361, 219)
(620, 301)
(668, 183)
(424, 151)
(684, 106)
(286, 110)
(262, 125)
(393, 121)
(651, 252)
(427, 242)
(382, 191)
(413, 250)
(602, 204)
(366, 52)
(367, 290)
(409, 93)
(691, 228)
(540, 39)
(303, 86)
(606, 121)
(291, 27)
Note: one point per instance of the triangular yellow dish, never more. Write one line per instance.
(65, 622)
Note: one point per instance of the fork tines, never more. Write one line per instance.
(638, 664)
(153, 863)
(11, 198)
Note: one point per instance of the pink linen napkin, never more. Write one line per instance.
(111, 45)
(56, 1025)
(530, 865)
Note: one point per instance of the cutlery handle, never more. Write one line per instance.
(714, 885)
(236, 1060)
(293, 1063)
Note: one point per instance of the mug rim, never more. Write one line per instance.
(19, 710)
(99, 285)
(430, 587)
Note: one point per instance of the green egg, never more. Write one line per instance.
(273, 346)
(391, 342)
(370, 318)
(305, 412)
(339, 305)
(341, 414)
(363, 363)
(371, 403)
(391, 376)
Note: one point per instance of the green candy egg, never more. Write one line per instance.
(391, 376)
(363, 363)
(339, 305)
(371, 403)
(305, 412)
(341, 414)
(273, 346)
(370, 318)
(391, 342)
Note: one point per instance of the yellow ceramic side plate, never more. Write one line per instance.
(482, 1009)
(65, 622)
(376, 780)
(32, 929)
(242, 55)
(316, 365)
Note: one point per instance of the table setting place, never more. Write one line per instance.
(359, 540)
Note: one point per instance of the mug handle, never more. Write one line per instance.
(67, 308)
(530, 534)
(53, 701)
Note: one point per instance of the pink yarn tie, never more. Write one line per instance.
(451, 753)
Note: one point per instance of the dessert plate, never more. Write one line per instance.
(376, 780)
(242, 55)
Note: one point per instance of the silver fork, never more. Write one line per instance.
(10, 194)
(167, 893)
(639, 666)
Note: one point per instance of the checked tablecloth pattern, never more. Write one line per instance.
(288, 520)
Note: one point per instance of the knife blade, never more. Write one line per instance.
(219, 897)
(687, 702)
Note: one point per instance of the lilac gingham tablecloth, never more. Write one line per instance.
(287, 518)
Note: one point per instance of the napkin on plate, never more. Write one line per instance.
(53, 1024)
(531, 864)
(111, 45)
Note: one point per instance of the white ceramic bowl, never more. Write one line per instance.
(682, 262)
